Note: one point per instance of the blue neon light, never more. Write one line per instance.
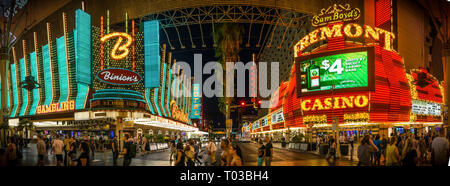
(47, 76)
(156, 101)
(169, 92)
(162, 90)
(62, 70)
(14, 90)
(34, 73)
(24, 91)
(152, 58)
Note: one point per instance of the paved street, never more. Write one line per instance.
(290, 158)
(158, 158)
(282, 157)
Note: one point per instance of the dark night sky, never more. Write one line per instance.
(211, 110)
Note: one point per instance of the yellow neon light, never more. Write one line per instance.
(123, 49)
(339, 30)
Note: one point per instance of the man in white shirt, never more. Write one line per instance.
(440, 149)
(212, 151)
(57, 149)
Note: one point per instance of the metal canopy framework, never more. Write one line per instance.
(187, 18)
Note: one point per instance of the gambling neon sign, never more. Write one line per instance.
(56, 107)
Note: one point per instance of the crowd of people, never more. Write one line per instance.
(191, 153)
(405, 149)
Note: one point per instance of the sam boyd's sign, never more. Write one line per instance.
(336, 13)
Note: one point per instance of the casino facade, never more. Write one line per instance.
(95, 79)
(352, 82)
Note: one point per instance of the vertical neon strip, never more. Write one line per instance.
(66, 47)
(162, 90)
(83, 56)
(23, 74)
(62, 70)
(168, 92)
(36, 50)
(155, 99)
(50, 58)
(101, 44)
(132, 34)
(15, 93)
(8, 93)
(34, 73)
(147, 99)
(48, 77)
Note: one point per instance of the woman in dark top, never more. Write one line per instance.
(83, 160)
(180, 155)
(261, 153)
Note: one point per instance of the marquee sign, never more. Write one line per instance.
(336, 13)
(351, 30)
(119, 76)
(425, 108)
(335, 102)
(56, 107)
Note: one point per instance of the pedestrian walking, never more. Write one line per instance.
(392, 153)
(269, 152)
(440, 150)
(410, 158)
(180, 157)
(261, 153)
(57, 149)
(364, 151)
(383, 145)
(236, 156)
(377, 153)
(41, 150)
(129, 152)
(83, 159)
(67, 142)
(144, 145)
(11, 152)
(332, 149)
(190, 153)
(72, 152)
(115, 150)
(212, 151)
(92, 147)
(225, 157)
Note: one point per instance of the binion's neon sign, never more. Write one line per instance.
(122, 49)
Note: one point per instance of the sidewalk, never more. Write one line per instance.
(348, 157)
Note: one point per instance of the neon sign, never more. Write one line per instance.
(336, 102)
(351, 30)
(336, 13)
(123, 49)
(56, 107)
(119, 76)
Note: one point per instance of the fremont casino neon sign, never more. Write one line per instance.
(351, 30)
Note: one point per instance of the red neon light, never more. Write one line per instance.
(383, 14)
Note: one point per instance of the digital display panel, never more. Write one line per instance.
(334, 71)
